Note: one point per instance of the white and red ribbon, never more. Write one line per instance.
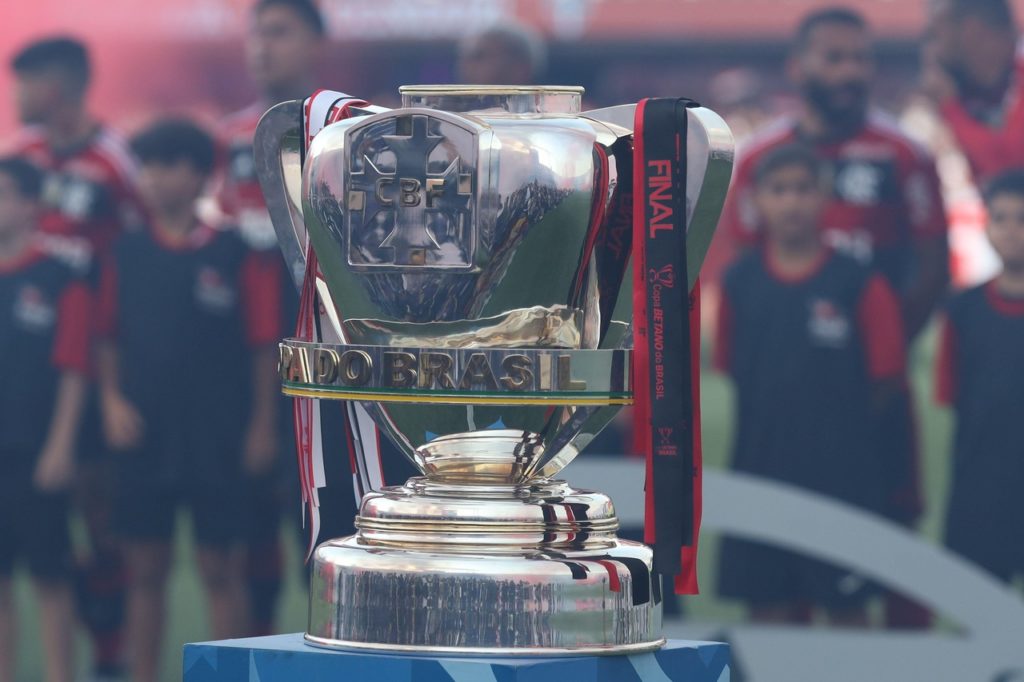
(321, 109)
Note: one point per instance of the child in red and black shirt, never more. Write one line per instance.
(981, 375)
(814, 344)
(189, 323)
(45, 311)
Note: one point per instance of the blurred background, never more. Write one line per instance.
(187, 57)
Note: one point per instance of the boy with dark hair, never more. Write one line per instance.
(89, 197)
(188, 323)
(980, 374)
(45, 311)
(974, 73)
(814, 343)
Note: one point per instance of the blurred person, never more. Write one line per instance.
(89, 197)
(44, 353)
(884, 208)
(188, 323)
(89, 186)
(813, 341)
(283, 49)
(505, 54)
(980, 374)
(284, 46)
(974, 74)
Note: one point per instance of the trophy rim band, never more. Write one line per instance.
(491, 89)
(535, 376)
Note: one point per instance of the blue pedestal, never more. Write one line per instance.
(285, 658)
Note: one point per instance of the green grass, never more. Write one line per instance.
(187, 616)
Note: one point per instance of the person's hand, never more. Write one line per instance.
(260, 447)
(54, 469)
(936, 82)
(122, 424)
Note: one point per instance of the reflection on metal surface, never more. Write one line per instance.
(462, 264)
(531, 569)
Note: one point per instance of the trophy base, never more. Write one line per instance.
(508, 570)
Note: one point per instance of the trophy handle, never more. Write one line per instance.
(277, 148)
(709, 157)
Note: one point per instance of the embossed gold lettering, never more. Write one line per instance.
(518, 373)
(566, 382)
(378, 189)
(545, 371)
(355, 368)
(325, 365)
(478, 373)
(435, 188)
(399, 369)
(410, 191)
(435, 370)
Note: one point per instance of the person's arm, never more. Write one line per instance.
(122, 423)
(929, 285)
(261, 287)
(929, 228)
(946, 365)
(739, 222)
(71, 355)
(722, 355)
(881, 329)
(985, 148)
(57, 459)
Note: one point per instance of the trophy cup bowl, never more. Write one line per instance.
(458, 239)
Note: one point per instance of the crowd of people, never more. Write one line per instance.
(142, 296)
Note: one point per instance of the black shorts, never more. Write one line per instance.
(92, 445)
(34, 529)
(150, 489)
(766, 576)
(263, 505)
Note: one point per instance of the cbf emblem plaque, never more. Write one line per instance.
(411, 180)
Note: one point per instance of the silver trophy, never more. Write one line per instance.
(455, 237)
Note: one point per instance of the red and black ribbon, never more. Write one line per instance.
(665, 321)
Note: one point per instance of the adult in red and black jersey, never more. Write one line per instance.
(90, 173)
(45, 313)
(814, 343)
(974, 73)
(189, 323)
(283, 48)
(981, 376)
(884, 209)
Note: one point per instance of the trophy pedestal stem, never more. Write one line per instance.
(444, 567)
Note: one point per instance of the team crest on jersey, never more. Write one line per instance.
(33, 310)
(72, 196)
(212, 292)
(828, 325)
(866, 181)
(859, 183)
